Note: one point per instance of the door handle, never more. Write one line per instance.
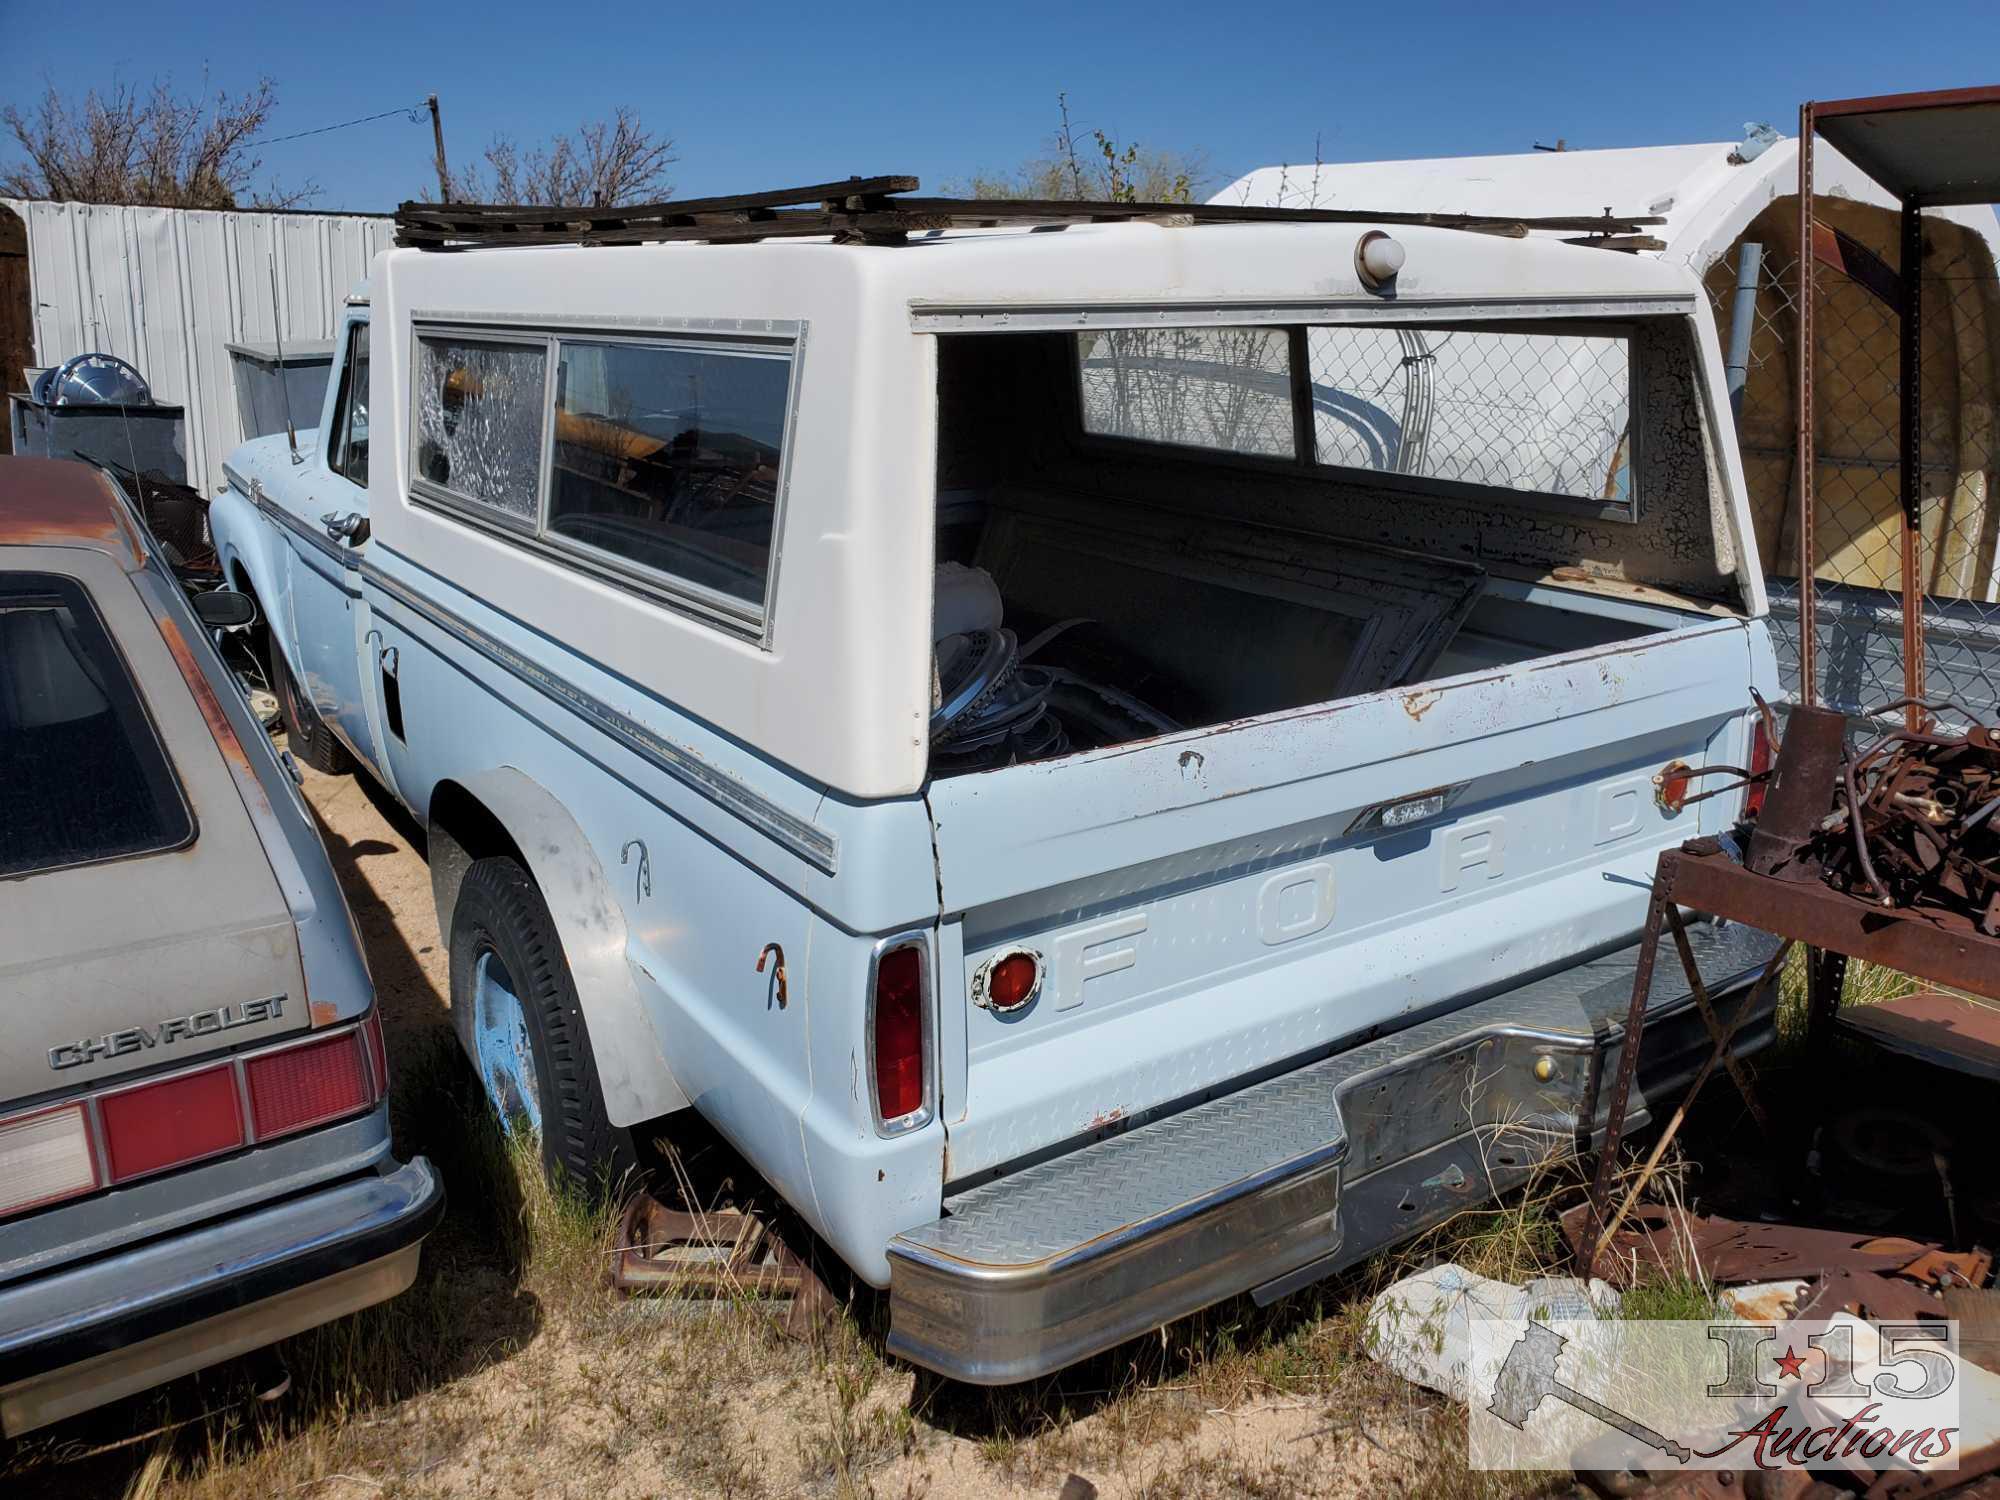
(351, 528)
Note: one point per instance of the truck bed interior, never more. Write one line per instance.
(1097, 590)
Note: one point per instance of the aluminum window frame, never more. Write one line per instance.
(753, 621)
(1600, 321)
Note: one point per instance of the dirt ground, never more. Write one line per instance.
(512, 1368)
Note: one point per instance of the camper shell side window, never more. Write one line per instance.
(656, 464)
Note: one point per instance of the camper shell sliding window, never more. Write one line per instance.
(1542, 415)
(654, 464)
(1153, 529)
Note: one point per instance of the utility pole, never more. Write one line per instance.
(437, 134)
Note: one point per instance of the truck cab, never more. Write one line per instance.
(312, 490)
(1105, 808)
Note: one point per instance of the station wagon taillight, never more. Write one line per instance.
(296, 1087)
(45, 1157)
(123, 1132)
(897, 1025)
(170, 1123)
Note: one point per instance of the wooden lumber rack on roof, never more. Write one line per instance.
(880, 210)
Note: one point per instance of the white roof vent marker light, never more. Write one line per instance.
(1378, 259)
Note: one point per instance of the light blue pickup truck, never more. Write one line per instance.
(1100, 810)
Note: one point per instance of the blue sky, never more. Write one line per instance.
(764, 95)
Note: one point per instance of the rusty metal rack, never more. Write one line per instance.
(1706, 876)
(880, 210)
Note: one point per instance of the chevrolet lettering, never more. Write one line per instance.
(179, 1029)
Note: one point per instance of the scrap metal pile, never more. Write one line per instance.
(1906, 821)
(1913, 823)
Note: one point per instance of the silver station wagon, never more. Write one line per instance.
(194, 1130)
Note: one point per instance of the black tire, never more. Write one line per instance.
(306, 732)
(500, 910)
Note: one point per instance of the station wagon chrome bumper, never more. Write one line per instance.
(94, 1333)
(1294, 1177)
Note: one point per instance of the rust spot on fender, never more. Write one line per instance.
(212, 711)
(324, 1012)
(1421, 702)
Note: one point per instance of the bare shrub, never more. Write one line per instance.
(1096, 168)
(603, 164)
(157, 148)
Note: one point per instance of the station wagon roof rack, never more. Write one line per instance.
(879, 210)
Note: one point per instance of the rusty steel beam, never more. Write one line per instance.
(1628, 1064)
(1912, 435)
(1940, 946)
(1807, 459)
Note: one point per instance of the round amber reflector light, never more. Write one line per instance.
(1671, 785)
(1011, 982)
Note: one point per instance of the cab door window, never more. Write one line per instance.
(348, 455)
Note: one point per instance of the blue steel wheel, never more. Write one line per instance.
(515, 1006)
(502, 1049)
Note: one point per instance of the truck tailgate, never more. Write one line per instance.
(1205, 909)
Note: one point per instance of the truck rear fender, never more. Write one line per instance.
(505, 812)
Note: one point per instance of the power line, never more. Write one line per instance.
(412, 113)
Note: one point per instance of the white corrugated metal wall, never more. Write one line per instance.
(168, 288)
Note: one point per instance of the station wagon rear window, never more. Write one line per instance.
(82, 775)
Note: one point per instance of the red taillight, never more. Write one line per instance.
(160, 1125)
(899, 1033)
(300, 1086)
(1763, 755)
(378, 1054)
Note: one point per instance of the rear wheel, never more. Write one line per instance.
(311, 741)
(517, 1005)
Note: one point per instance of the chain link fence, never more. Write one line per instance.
(1858, 518)
(1548, 413)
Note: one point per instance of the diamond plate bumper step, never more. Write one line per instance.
(1291, 1178)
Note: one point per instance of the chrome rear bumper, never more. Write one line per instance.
(1290, 1179)
(106, 1329)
